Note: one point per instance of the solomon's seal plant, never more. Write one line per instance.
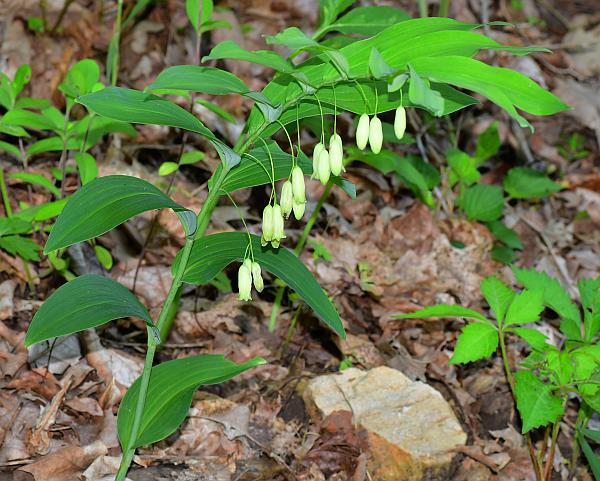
(385, 62)
(544, 382)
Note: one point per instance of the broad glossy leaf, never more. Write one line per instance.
(137, 107)
(255, 169)
(85, 302)
(498, 295)
(211, 254)
(209, 80)
(81, 78)
(294, 39)
(27, 119)
(476, 341)
(170, 390)
(506, 88)
(51, 144)
(443, 310)
(525, 307)
(483, 202)
(420, 93)
(525, 183)
(368, 21)
(88, 169)
(349, 97)
(555, 297)
(42, 212)
(228, 49)
(103, 204)
(535, 401)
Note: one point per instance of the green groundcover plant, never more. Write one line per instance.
(544, 381)
(366, 61)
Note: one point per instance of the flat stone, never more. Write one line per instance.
(411, 429)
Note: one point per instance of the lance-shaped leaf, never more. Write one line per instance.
(255, 169)
(137, 107)
(106, 202)
(367, 21)
(208, 80)
(211, 254)
(231, 50)
(85, 302)
(172, 385)
(443, 310)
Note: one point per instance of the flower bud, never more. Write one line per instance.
(336, 155)
(375, 135)
(400, 122)
(298, 187)
(278, 230)
(244, 283)
(267, 225)
(257, 277)
(286, 198)
(324, 170)
(299, 209)
(362, 132)
(316, 152)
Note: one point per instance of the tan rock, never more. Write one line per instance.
(411, 429)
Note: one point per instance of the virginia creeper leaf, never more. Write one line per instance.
(498, 295)
(535, 401)
(525, 307)
(476, 341)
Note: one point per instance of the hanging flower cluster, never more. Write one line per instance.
(249, 271)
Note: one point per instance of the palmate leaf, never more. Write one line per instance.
(211, 254)
(555, 297)
(535, 401)
(498, 295)
(476, 341)
(172, 385)
(85, 302)
(525, 307)
(106, 202)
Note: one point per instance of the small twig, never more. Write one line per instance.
(481, 458)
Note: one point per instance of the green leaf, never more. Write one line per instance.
(36, 179)
(85, 302)
(503, 254)
(211, 254)
(368, 21)
(555, 297)
(102, 205)
(138, 107)
(228, 49)
(464, 167)
(531, 336)
(420, 93)
(589, 290)
(10, 148)
(561, 366)
(104, 257)
(170, 390)
(476, 341)
(208, 80)
(498, 295)
(14, 225)
(255, 169)
(88, 169)
(525, 307)
(196, 15)
(27, 119)
(330, 9)
(535, 401)
(191, 157)
(217, 109)
(294, 39)
(505, 234)
(592, 458)
(525, 183)
(167, 168)
(21, 246)
(81, 78)
(506, 88)
(483, 202)
(443, 310)
(377, 65)
(488, 143)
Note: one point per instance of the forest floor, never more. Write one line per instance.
(380, 254)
